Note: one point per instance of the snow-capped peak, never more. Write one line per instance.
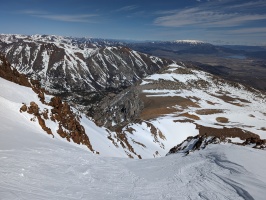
(189, 42)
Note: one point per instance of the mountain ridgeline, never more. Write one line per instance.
(65, 64)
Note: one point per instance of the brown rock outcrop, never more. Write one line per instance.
(11, 74)
(33, 109)
(43, 125)
(23, 108)
(70, 126)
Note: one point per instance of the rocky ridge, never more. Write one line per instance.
(65, 64)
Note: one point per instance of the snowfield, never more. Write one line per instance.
(38, 167)
(33, 165)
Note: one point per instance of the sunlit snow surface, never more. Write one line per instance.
(37, 167)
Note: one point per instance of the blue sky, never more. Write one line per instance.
(226, 21)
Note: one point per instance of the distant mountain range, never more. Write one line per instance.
(65, 64)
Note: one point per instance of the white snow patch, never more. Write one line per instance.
(236, 140)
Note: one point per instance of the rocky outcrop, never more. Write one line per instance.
(69, 123)
(34, 110)
(118, 110)
(200, 142)
(257, 143)
(11, 74)
(69, 126)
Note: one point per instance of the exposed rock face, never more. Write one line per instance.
(69, 123)
(201, 142)
(34, 110)
(257, 143)
(69, 126)
(11, 74)
(43, 125)
(120, 110)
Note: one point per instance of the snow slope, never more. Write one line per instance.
(38, 167)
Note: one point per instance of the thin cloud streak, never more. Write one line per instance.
(249, 5)
(68, 18)
(126, 8)
(249, 31)
(208, 15)
(198, 17)
(62, 17)
(33, 12)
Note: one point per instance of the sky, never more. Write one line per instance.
(214, 21)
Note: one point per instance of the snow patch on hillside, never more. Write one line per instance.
(216, 105)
